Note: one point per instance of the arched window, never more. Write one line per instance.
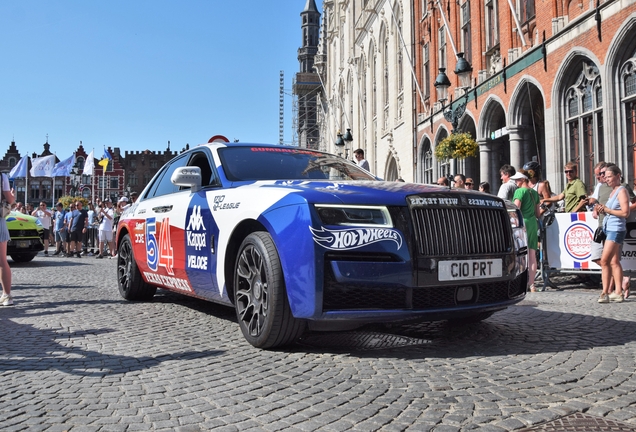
(628, 100)
(399, 66)
(385, 67)
(12, 162)
(426, 163)
(374, 74)
(80, 162)
(584, 122)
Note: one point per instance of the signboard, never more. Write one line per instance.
(569, 241)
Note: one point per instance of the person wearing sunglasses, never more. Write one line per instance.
(468, 184)
(575, 194)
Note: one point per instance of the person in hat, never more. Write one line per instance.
(122, 204)
(527, 200)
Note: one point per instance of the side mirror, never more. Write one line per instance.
(189, 176)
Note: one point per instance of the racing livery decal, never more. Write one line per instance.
(196, 238)
(354, 238)
(200, 233)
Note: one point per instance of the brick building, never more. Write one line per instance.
(124, 174)
(554, 81)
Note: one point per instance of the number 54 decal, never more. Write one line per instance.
(159, 252)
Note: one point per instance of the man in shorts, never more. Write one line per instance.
(59, 229)
(106, 228)
(79, 222)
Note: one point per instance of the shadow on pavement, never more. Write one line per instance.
(25, 347)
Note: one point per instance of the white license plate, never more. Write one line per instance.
(469, 269)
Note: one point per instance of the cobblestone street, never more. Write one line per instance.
(75, 356)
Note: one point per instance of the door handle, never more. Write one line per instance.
(162, 209)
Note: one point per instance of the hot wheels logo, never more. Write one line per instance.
(354, 238)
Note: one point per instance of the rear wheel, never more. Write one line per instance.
(261, 303)
(131, 285)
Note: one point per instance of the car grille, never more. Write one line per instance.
(443, 232)
(16, 234)
(355, 297)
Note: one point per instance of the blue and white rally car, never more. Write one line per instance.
(294, 238)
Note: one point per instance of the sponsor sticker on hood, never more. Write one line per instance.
(353, 238)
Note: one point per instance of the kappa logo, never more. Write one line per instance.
(354, 238)
(196, 220)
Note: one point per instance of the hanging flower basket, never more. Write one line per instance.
(456, 146)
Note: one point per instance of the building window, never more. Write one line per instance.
(466, 34)
(526, 10)
(584, 120)
(426, 71)
(80, 162)
(385, 67)
(442, 47)
(153, 163)
(628, 101)
(133, 163)
(374, 86)
(399, 60)
(133, 180)
(427, 163)
(492, 25)
(114, 183)
(12, 162)
(443, 167)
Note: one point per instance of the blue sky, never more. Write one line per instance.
(136, 74)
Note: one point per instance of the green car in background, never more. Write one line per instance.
(26, 237)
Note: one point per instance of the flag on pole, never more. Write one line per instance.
(89, 165)
(20, 170)
(105, 159)
(43, 166)
(63, 168)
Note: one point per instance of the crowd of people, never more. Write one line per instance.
(73, 230)
(611, 203)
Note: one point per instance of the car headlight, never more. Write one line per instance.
(518, 229)
(347, 215)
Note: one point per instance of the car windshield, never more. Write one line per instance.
(284, 163)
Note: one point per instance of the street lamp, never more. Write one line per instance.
(442, 83)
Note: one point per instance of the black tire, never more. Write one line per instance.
(22, 258)
(260, 297)
(131, 285)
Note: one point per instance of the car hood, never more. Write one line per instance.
(17, 220)
(359, 192)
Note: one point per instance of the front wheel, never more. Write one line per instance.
(22, 258)
(129, 280)
(260, 296)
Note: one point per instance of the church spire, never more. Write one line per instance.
(311, 31)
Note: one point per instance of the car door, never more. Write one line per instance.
(160, 215)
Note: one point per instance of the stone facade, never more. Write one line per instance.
(363, 61)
